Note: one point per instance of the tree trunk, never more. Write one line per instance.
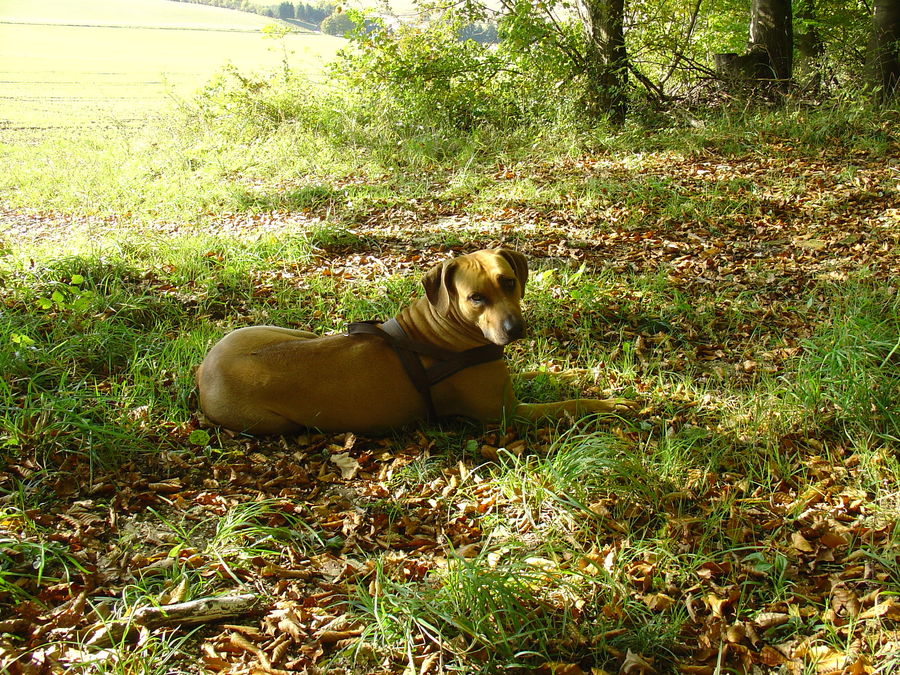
(884, 49)
(606, 60)
(772, 40)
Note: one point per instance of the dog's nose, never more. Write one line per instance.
(514, 328)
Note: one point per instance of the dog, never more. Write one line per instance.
(269, 380)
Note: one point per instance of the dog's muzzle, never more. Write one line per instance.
(513, 328)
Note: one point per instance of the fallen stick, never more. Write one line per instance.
(201, 610)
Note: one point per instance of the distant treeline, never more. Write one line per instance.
(301, 11)
(316, 16)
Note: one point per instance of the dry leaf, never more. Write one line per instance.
(844, 601)
(348, 465)
(541, 563)
(832, 539)
(635, 664)
(489, 452)
(659, 602)
(735, 633)
(558, 668)
(799, 542)
(766, 620)
(717, 605)
(771, 656)
(889, 608)
(826, 659)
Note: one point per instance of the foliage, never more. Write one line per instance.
(286, 10)
(313, 13)
(542, 54)
(338, 24)
(546, 50)
(428, 74)
(259, 104)
(481, 31)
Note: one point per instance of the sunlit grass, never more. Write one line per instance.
(302, 211)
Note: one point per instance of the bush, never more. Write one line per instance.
(338, 24)
(427, 75)
(259, 105)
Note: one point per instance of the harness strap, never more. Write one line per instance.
(447, 362)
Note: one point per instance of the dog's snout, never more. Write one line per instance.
(514, 328)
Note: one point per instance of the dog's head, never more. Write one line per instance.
(483, 289)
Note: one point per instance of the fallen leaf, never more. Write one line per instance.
(717, 605)
(889, 608)
(735, 633)
(845, 601)
(489, 452)
(800, 543)
(771, 657)
(558, 668)
(659, 602)
(348, 465)
(766, 620)
(826, 659)
(635, 664)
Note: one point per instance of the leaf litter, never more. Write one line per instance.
(327, 514)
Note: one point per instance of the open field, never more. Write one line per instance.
(74, 62)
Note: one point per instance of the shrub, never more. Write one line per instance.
(259, 104)
(428, 75)
(338, 24)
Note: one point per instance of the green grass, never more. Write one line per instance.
(736, 279)
(97, 356)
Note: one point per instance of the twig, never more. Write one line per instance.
(201, 610)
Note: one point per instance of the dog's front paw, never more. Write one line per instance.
(618, 405)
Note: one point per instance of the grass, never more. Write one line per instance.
(737, 279)
(98, 374)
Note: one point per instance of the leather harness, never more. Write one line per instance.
(446, 363)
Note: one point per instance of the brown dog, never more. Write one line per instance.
(269, 380)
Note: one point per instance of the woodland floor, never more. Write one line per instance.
(359, 496)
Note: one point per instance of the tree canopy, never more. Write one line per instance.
(599, 55)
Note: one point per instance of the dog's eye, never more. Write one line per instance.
(477, 299)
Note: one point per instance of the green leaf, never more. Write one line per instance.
(22, 340)
(199, 437)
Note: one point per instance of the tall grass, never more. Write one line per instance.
(848, 377)
(252, 144)
(488, 618)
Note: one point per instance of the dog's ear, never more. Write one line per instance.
(438, 283)
(519, 264)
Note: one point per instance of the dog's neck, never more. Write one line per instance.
(421, 322)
